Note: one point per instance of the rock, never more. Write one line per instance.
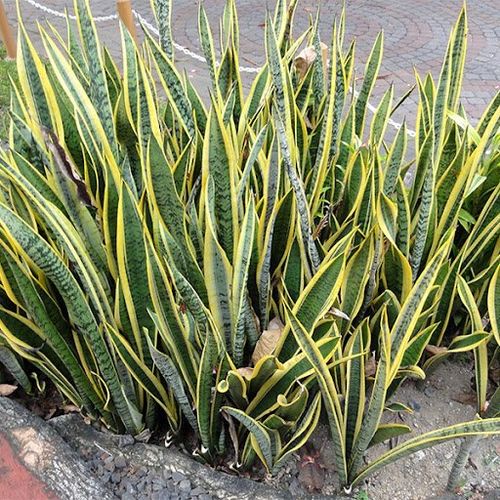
(116, 477)
(106, 477)
(414, 405)
(429, 391)
(125, 440)
(109, 464)
(120, 462)
(197, 491)
(158, 484)
(419, 455)
(140, 472)
(129, 488)
(46, 457)
(185, 485)
(178, 477)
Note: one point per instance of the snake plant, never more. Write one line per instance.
(229, 267)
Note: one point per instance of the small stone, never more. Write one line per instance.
(109, 464)
(158, 485)
(167, 474)
(197, 491)
(120, 462)
(414, 405)
(106, 477)
(205, 497)
(178, 477)
(125, 440)
(130, 488)
(116, 477)
(419, 455)
(185, 486)
(164, 494)
(429, 391)
(128, 496)
(140, 472)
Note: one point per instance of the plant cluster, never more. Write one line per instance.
(239, 266)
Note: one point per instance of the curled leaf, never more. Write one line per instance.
(307, 56)
(304, 60)
(7, 389)
(434, 350)
(246, 372)
(268, 340)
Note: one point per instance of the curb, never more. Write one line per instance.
(220, 485)
(37, 463)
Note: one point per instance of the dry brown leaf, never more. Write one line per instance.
(371, 367)
(305, 58)
(324, 53)
(246, 372)
(70, 409)
(433, 349)
(7, 389)
(268, 340)
(468, 398)
(312, 476)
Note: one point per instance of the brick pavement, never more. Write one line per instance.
(416, 35)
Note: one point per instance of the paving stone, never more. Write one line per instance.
(413, 37)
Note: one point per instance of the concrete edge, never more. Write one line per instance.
(46, 456)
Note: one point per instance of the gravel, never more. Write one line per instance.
(129, 482)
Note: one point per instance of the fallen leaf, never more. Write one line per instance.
(7, 389)
(275, 324)
(433, 349)
(371, 367)
(324, 53)
(304, 60)
(312, 476)
(268, 340)
(466, 399)
(246, 372)
(70, 409)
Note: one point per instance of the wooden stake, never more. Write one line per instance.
(6, 33)
(126, 16)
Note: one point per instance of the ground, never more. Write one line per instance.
(65, 451)
(415, 36)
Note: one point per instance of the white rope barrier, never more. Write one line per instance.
(181, 48)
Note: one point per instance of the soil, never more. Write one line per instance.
(446, 398)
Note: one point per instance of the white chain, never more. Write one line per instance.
(184, 50)
(57, 13)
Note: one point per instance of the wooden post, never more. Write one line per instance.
(127, 16)
(6, 33)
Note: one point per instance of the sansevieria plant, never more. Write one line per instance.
(230, 267)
